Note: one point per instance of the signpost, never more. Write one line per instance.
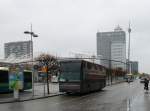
(44, 70)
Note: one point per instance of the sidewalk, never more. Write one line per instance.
(27, 95)
(114, 82)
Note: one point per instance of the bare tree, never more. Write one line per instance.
(51, 63)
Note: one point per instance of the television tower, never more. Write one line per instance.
(129, 65)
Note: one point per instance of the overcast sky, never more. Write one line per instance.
(67, 26)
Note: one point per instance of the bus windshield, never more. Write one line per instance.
(70, 71)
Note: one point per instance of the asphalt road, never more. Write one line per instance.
(120, 97)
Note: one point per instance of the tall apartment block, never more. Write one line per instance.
(20, 49)
(112, 46)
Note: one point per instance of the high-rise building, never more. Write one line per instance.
(18, 49)
(112, 46)
(134, 66)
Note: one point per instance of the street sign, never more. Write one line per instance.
(44, 69)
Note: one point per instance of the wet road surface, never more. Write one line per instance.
(120, 97)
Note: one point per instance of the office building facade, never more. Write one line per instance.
(21, 49)
(112, 46)
(134, 67)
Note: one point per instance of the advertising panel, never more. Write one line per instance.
(15, 78)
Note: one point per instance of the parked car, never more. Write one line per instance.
(142, 80)
(129, 80)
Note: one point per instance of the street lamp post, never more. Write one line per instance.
(32, 34)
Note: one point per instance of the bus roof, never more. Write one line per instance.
(79, 60)
(71, 60)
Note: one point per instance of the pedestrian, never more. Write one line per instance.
(128, 80)
(146, 82)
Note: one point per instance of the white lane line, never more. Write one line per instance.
(129, 105)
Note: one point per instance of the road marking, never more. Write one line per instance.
(129, 105)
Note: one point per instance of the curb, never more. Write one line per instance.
(30, 99)
(119, 82)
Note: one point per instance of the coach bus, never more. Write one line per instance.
(80, 76)
(5, 79)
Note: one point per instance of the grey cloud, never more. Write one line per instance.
(65, 25)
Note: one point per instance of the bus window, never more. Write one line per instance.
(100, 68)
(70, 71)
(84, 65)
(89, 66)
(95, 67)
(70, 67)
(27, 77)
(3, 76)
